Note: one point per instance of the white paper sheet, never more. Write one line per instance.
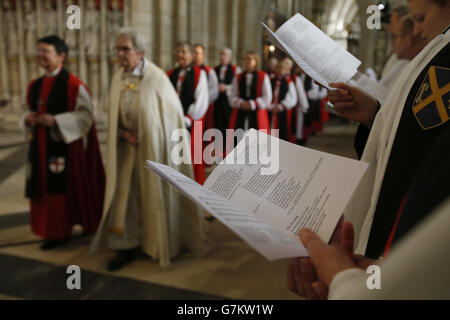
(269, 242)
(322, 58)
(267, 189)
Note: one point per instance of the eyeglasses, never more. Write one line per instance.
(124, 49)
(43, 51)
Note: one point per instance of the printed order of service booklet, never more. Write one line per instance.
(320, 57)
(267, 189)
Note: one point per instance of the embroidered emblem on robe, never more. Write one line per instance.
(57, 164)
(431, 105)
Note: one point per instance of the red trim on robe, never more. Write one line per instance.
(199, 169)
(209, 116)
(52, 216)
(262, 114)
(233, 116)
(394, 228)
(295, 114)
(275, 119)
(317, 126)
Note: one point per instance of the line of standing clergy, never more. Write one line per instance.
(282, 102)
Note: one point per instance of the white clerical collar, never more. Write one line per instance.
(53, 73)
(187, 68)
(139, 70)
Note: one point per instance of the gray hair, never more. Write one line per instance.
(136, 38)
(186, 44)
(228, 51)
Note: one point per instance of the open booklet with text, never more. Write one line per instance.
(320, 57)
(267, 189)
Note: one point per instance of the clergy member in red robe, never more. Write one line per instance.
(226, 72)
(65, 174)
(198, 57)
(283, 102)
(191, 83)
(250, 97)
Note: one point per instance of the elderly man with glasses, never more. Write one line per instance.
(139, 209)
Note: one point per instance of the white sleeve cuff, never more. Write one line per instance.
(188, 122)
(345, 280)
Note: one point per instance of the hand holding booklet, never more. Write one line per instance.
(322, 58)
(267, 189)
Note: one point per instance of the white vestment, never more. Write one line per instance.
(394, 66)
(361, 209)
(213, 86)
(168, 221)
(263, 101)
(70, 125)
(303, 106)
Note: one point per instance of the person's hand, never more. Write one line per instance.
(363, 262)
(301, 277)
(302, 280)
(46, 120)
(131, 138)
(353, 103)
(222, 87)
(31, 119)
(327, 260)
(245, 105)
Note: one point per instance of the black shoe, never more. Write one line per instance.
(51, 244)
(123, 257)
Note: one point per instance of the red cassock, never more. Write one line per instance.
(209, 116)
(187, 97)
(258, 119)
(66, 183)
(324, 116)
(282, 120)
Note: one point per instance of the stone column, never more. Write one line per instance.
(126, 13)
(255, 11)
(367, 42)
(180, 26)
(39, 19)
(217, 13)
(234, 25)
(289, 8)
(240, 20)
(104, 77)
(141, 20)
(204, 26)
(22, 62)
(163, 44)
(82, 67)
(4, 87)
(61, 13)
(194, 21)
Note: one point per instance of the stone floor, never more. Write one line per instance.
(231, 271)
